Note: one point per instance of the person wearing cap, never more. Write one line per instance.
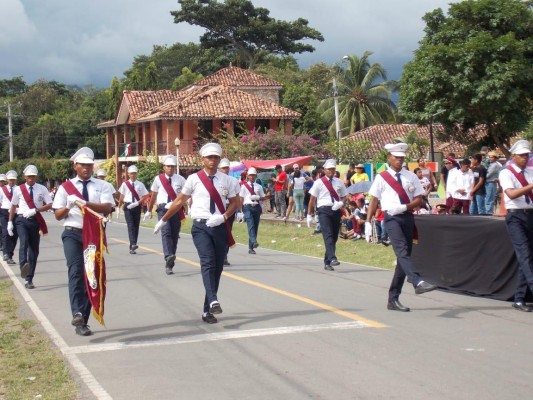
(96, 195)
(132, 194)
(280, 191)
(29, 199)
(209, 189)
(450, 165)
(360, 174)
(399, 192)
(101, 174)
(516, 181)
(3, 182)
(460, 185)
(165, 187)
(224, 168)
(6, 195)
(491, 185)
(328, 193)
(251, 195)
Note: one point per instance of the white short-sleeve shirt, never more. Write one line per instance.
(178, 182)
(388, 196)
(509, 181)
(4, 200)
(322, 194)
(245, 193)
(41, 196)
(138, 186)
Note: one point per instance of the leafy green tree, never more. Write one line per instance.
(151, 77)
(12, 87)
(186, 78)
(302, 99)
(476, 64)
(352, 151)
(364, 96)
(248, 32)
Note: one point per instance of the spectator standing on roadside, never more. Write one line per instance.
(491, 185)
(477, 195)
(280, 191)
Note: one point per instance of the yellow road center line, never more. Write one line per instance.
(294, 296)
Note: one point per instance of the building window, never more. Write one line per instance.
(239, 127)
(205, 129)
(262, 125)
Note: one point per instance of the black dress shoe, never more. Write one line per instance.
(209, 318)
(335, 262)
(395, 305)
(29, 285)
(424, 287)
(83, 330)
(251, 251)
(522, 307)
(226, 262)
(169, 262)
(10, 261)
(215, 308)
(24, 270)
(133, 251)
(78, 320)
(256, 245)
(328, 267)
(168, 271)
(134, 247)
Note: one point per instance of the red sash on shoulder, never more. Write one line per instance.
(218, 201)
(249, 188)
(7, 193)
(171, 193)
(132, 190)
(71, 189)
(520, 177)
(328, 186)
(42, 223)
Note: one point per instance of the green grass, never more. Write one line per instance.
(30, 366)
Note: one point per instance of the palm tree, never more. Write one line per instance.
(364, 95)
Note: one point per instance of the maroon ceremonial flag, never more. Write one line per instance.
(94, 245)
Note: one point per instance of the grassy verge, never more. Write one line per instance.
(30, 366)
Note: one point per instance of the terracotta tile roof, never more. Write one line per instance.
(381, 134)
(105, 124)
(190, 161)
(237, 77)
(141, 101)
(219, 102)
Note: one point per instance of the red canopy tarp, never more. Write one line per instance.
(270, 164)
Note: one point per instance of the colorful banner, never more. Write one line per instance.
(94, 245)
(433, 166)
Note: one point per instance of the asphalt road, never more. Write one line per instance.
(289, 330)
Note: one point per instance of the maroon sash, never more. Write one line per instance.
(398, 188)
(249, 188)
(42, 223)
(71, 189)
(171, 193)
(520, 177)
(328, 186)
(7, 193)
(132, 190)
(218, 201)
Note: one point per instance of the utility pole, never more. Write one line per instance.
(10, 130)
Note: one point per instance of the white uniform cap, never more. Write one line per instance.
(101, 172)
(3, 177)
(331, 163)
(12, 174)
(296, 166)
(30, 170)
(132, 169)
(83, 156)
(223, 163)
(170, 160)
(521, 147)
(396, 149)
(211, 149)
(252, 171)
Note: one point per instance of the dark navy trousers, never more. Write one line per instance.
(211, 246)
(169, 232)
(520, 228)
(400, 231)
(330, 224)
(8, 242)
(73, 248)
(28, 231)
(133, 220)
(253, 216)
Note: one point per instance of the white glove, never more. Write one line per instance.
(167, 206)
(397, 210)
(215, 220)
(309, 220)
(368, 228)
(240, 216)
(337, 205)
(147, 214)
(159, 225)
(132, 205)
(255, 197)
(72, 199)
(10, 228)
(316, 218)
(30, 213)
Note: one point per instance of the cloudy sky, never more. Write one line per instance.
(89, 42)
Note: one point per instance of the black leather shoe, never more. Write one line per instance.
(256, 245)
(77, 320)
(226, 262)
(395, 305)
(169, 262)
(424, 287)
(209, 318)
(24, 270)
(328, 267)
(83, 330)
(133, 251)
(215, 308)
(168, 271)
(522, 307)
(251, 251)
(134, 247)
(335, 262)
(29, 285)
(10, 261)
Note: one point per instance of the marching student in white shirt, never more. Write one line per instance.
(132, 194)
(163, 193)
(28, 221)
(251, 207)
(209, 190)
(6, 194)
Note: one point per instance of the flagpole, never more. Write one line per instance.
(80, 205)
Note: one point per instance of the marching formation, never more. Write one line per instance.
(213, 199)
